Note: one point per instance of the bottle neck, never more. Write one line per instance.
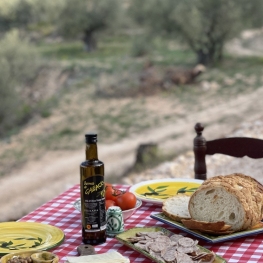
(91, 151)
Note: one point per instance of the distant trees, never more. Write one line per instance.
(28, 14)
(203, 25)
(86, 18)
(19, 64)
(70, 19)
(252, 13)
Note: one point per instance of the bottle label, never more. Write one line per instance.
(94, 214)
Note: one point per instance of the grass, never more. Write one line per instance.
(78, 109)
(109, 47)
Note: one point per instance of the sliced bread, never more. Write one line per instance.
(236, 199)
(176, 207)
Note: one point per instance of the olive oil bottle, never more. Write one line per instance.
(92, 192)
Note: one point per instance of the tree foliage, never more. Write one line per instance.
(19, 64)
(86, 18)
(28, 14)
(204, 25)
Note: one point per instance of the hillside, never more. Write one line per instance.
(42, 160)
(40, 180)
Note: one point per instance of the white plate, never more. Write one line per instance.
(156, 191)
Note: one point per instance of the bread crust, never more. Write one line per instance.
(174, 217)
(247, 190)
(199, 225)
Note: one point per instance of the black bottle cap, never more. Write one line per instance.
(91, 137)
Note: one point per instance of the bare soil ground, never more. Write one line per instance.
(41, 180)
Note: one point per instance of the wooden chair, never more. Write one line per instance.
(234, 146)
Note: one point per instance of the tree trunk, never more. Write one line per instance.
(90, 43)
(220, 52)
(211, 56)
(202, 57)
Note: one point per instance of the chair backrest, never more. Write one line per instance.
(235, 146)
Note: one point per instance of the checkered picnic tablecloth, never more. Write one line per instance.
(60, 212)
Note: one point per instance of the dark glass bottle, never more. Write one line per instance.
(92, 192)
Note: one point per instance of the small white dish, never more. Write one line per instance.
(126, 213)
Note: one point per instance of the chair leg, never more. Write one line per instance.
(199, 152)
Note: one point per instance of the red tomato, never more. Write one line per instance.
(107, 185)
(108, 192)
(126, 201)
(109, 203)
(112, 193)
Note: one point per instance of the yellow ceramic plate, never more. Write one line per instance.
(17, 236)
(156, 191)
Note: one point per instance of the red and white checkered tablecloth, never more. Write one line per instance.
(60, 212)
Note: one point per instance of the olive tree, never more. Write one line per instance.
(14, 14)
(19, 64)
(28, 14)
(252, 13)
(85, 18)
(203, 25)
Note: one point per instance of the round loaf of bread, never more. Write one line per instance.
(236, 199)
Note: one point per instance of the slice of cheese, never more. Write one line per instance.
(108, 257)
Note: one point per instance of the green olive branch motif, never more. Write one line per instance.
(184, 190)
(157, 191)
(10, 245)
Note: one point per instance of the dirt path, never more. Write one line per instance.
(46, 178)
